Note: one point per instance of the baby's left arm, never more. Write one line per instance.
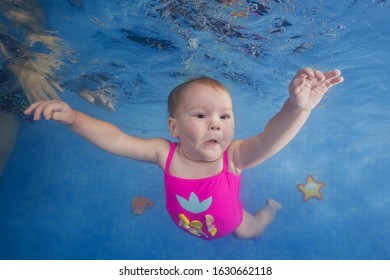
(305, 92)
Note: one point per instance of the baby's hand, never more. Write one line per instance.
(309, 86)
(52, 110)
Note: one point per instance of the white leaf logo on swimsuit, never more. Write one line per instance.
(193, 204)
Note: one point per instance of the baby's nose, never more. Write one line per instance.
(215, 126)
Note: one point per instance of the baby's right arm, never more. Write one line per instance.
(102, 134)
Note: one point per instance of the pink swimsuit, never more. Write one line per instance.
(208, 207)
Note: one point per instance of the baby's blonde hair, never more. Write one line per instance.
(174, 96)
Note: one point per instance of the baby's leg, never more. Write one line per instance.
(254, 225)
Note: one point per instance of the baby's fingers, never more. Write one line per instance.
(333, 78)
(39, 111)
(296, 85)
(39, 108)
(305, 72)
(332, 82)
(332, 74)
(319, 75)
(51, 107)
(33, 107)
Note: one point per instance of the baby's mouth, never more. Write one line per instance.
(212, 141)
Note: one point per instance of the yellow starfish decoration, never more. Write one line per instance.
(311, 188)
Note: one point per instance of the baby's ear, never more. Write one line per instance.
(172, 124)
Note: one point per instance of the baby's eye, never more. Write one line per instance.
(200, 116)
(225, 117)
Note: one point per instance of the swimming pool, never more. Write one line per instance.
(62, 198)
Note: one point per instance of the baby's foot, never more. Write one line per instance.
(274, 204)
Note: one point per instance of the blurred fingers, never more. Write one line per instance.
(332, 82)
(56, 86)
(51, 93)
(296, 85)
(319, 75)
(32, 107)
(305, 72)
(332, 74)
(40, 108)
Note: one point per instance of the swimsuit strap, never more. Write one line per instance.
(225, 161)
(170, 156)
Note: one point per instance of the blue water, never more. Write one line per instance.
(62, 198)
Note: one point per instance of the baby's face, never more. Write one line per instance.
(203, 122)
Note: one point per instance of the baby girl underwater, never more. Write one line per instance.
(202, 170)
